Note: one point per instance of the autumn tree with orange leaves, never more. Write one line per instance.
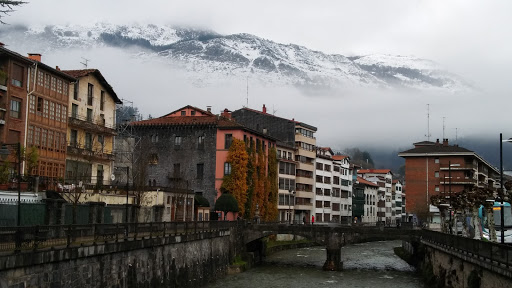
(272, 187)
(236, 182)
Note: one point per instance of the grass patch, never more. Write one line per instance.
(238, 261)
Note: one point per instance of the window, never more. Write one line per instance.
(90, 95)
(50, 139)
(327, 167)
(75, 92)
(32, 104)
(89, 115)
(437, 188)
(44, 137)
(16, 108)
(153, 158)
(37, 136)
(200, 168)
(17, 75)
(45, 108)
(319, 179)
(54, 84)
(59, 86)
(30, 138)
(52, 111)
(176, 170)
(88, 141)
(200, 142)
(177, 141)
(436, 160)
(183, 113)
(64, 113)
(436, 174)
(193, 113)
(154, 138)
(228, 138)
(102, 100)
(227, 168)
(319, 166)
(39, 105)
(327, 180)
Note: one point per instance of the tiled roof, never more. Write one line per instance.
(84, 72)
(271, 115)
(339, 157)
(190, 107)
(436, 149)
(373, 171)
(188, 120)
(366, 182)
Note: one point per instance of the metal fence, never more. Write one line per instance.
(493, 252)
(54, 236)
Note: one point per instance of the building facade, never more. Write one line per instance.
(383, 178)
(365, 201)
(287, 167)
(435, 168)
(291, 133)
(91, 128)
(47, 120)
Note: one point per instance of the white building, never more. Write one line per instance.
(383, 178)
(345, 181)
(324, 196)
(287, 189)
(397, 200)
(369, 190)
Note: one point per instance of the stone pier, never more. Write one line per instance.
(333, 243)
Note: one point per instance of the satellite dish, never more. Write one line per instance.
(112, 177)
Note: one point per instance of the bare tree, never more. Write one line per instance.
(7, 6)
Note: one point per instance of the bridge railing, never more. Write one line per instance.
(43, 237)
(491, 251)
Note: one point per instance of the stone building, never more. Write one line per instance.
(187, 149)
(91, 128)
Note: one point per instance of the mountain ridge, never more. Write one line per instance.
(208, 56)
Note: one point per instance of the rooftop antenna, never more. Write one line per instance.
(273, 110)
(86, 61)
(247, 94)
(428, 122)
(443, 126)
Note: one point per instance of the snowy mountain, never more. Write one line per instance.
(207, 56)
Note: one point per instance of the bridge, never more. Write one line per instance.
(333, 237)
(172, 252)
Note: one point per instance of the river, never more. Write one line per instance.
(372, 264)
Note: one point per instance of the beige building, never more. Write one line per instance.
(305, 142)
(91, 128)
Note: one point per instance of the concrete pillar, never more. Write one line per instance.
(333, 244)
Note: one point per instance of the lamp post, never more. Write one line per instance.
(127, 189)
(502, 192)
(290, 203)
(450, 165)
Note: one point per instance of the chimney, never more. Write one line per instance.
(209, 109)
(445, 142)
(226, 113)
(264, 109)
(35, 56)
(437, 141)
(57, 68)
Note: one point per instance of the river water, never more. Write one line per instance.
(372, 264)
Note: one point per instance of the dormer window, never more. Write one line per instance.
(192, 113)
(183, 113)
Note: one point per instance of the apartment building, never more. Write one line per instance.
(91, 128)
(346, 176)
(14, 79)
(397, 200)
(365, 201)
(47, 120)
(438, 168)
(383, 178)
(287, 168)
(292, 133)
(326, 199)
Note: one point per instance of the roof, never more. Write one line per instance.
(340, 157)
(453, 149)
(271, 115)
(13, 54)
(374, 171)
(190, 107)
(85, 72)
(210, 119)
(366, 182)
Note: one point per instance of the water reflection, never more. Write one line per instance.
(366, 265)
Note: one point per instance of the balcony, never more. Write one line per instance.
(90, 124)
(78, 149)
(459, 181)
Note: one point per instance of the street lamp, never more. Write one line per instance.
(4, 151)
(290, 203)
(450, 165)
(502, 192)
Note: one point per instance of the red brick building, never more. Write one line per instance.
(434, 168)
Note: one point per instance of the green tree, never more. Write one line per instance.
(236, 181)
(273, 189)
(226, 203)
(7, 6)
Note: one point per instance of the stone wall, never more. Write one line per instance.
(173, 261)
(448, 268)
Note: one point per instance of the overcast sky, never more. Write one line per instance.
(469, 38)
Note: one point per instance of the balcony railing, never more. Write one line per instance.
(91, 124)
(87, 151)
